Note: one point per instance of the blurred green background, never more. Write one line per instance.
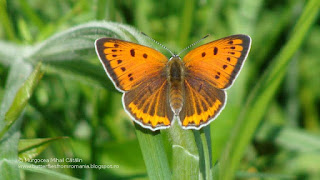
(270, 128)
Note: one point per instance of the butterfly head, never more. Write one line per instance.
(175, 57)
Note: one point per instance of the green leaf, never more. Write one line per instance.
(30, 148)
(303, 141)
(10, 53)
(247, 175)
(263, 93)
(13, 103)
(203, 139)
(78, 43)
(31, 14)
(186, 25)
(184, 153)
(304, 163)
(153, 153)
(6, 21)
(68, 52)
(47, 172)
(20, 100)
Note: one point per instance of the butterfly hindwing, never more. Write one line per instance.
(148, 104)
(218, 62)
(203, 102)
(128, 64)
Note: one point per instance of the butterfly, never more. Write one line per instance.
(157, 90)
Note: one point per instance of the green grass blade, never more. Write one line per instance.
(153, 153)
(13, 103)
(77, 43)
(143, 13)
(68, 52)
(303, 140)
(274, 31)
(20, 100)
(30, 14)
(9, 51)
(246, 175)
(30, 148)
(105, 9)
(46, 172)
(185, 154)
(263, 94)
(186, 21)
(6, 21)
(8, 156)
(203, 139)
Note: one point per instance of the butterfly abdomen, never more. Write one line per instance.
(176, 97)
(175, 77)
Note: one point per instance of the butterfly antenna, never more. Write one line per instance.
(193, 44)
(159, 44)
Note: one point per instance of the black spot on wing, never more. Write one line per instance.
(215, 51)
(132, 52)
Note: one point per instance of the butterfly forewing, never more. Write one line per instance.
(139, 72)
(209, 69)
(128, 64)
(220, 61)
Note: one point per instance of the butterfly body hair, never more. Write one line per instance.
(175, 75)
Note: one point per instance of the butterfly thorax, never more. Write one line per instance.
(175, 75)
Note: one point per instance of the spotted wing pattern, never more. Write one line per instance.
(218, 62)
(129, 64)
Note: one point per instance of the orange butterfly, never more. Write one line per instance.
(156, 90)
